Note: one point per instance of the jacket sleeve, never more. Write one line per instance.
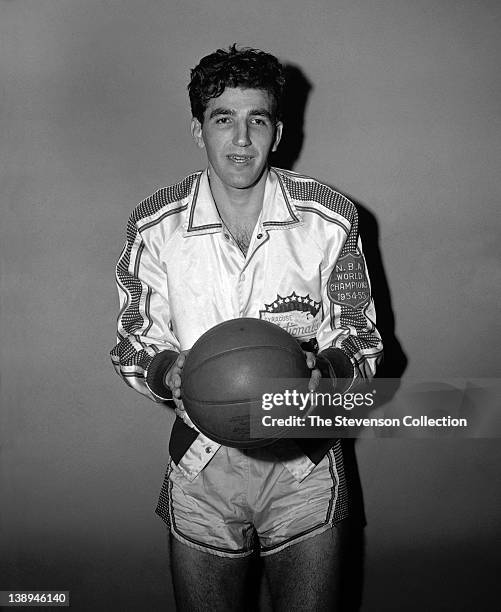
(146, 345)
(350, 345)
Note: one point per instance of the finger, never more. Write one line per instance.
(168, 379)
(310, 359)
(314, 380)
(176, 380)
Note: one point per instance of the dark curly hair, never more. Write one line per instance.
(245, 67)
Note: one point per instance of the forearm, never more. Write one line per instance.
(348, 338)
(146, 346)
(144, 369)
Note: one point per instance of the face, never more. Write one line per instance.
(238, 134)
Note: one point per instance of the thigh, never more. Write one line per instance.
(306, 575)
(203, 581)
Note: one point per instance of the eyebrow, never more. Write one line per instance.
(255, 112)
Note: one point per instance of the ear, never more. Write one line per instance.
(278, 135)
(196, 132)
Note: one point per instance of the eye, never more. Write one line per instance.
(258, 121)
(222, 120)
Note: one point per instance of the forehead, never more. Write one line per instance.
(241, 99)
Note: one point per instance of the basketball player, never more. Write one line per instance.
(242, 239)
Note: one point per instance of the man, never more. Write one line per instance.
(241, 239)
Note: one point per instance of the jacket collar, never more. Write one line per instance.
(278, 211)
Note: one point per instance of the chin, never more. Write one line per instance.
(245, 180)
(245, 184)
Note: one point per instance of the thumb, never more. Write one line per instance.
(315, 377)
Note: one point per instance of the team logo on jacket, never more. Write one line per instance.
(299, 315)
(348, 283)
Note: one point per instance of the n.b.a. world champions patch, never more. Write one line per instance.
(348, 283)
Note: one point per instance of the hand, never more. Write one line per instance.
(320, 367)
(173, 376)
(316, 375)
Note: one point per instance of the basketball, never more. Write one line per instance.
(224, 373)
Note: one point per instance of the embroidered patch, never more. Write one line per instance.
(297, 314)
(348, 283)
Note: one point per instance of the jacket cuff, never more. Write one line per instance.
(156, 371)
(340, 367)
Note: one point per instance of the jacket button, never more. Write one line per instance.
(259, 236)
(208, 449)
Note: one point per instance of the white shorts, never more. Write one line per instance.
(246, 499)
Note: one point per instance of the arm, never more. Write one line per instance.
(146, 345)
(350, 345)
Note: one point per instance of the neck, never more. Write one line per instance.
(238, 204)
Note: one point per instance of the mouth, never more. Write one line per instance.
(240, 159)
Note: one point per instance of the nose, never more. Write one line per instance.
(241, 136)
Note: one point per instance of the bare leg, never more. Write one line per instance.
(305, 576)
(203, 581)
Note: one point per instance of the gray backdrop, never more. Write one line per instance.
(402, 114)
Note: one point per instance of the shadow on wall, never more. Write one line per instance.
(295, 100)
(296, 93)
